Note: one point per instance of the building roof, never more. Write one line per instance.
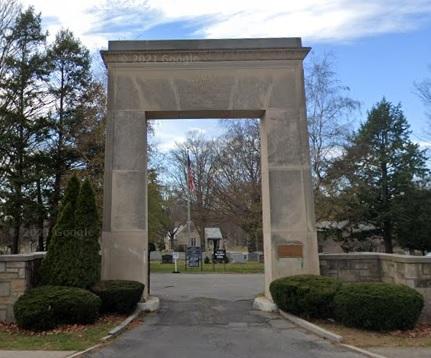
(213, 233)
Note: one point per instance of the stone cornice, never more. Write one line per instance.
(213, 55)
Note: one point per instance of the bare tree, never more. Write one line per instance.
(329, 111)
(202, 154)
(227, 177)
(238, 179)
(9, 10)
(423, 89)
(175, 212)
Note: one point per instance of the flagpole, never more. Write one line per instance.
(188, 199)
(188, 215)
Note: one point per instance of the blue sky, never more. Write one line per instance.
(381, 47)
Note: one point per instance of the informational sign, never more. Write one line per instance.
(220, 254)
(175, 255)
(193, 256)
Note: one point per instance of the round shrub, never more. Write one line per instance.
(45, 307)
(118, 296)
(305, 295)
(378, 306)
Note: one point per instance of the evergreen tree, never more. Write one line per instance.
(22, 123)
(73, 257)
(87, 256)
(71, 193)
(377, 168)
(157, 218)
(413, 226)
(70, 80)
(55, 269)
(70, 197)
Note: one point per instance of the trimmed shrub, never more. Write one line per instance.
(378, 306)
(45, 307)
(118, 296)
(73, 257)
(306, 295)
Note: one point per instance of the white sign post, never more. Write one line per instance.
(176, 256)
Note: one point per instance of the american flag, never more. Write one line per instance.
(190, 180)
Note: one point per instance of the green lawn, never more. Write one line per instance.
(66, 338)
(249, 267)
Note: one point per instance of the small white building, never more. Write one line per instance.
(181, 238)
(213, 237)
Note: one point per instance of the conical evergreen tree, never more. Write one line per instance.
(73, 258)
(88, 231)
(70, 196)
(378, 168)
(56, 264)
(71, 193)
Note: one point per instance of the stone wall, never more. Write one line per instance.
(17, 273)
(413, 271)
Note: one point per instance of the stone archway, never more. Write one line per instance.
(241, 78)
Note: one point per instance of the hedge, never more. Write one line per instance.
(118, 296)
(46, 307)
(306, 295)
(378, 306)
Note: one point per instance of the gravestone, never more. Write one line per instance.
(167, 259)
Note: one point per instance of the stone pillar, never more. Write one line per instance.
(290, 242)
(124, 236)
(17, 274)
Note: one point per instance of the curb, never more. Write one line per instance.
(111, 334)
(323, 333)
(78, 354)
(362, 351)
(318, 331)
(123, 325)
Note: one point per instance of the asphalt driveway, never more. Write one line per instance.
(211, 316)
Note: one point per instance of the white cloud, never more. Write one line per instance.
(169, 133)
(96, 21)
(76, 15)
(197, 130)
(423, 144)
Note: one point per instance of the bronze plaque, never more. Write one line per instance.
(290, 250)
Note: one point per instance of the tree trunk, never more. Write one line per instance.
(16, 234)
(59, 167)
(41, 217)
(387, 237)
(55, 200)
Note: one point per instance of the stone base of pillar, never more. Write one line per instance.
(264, 304)
(151, 304)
